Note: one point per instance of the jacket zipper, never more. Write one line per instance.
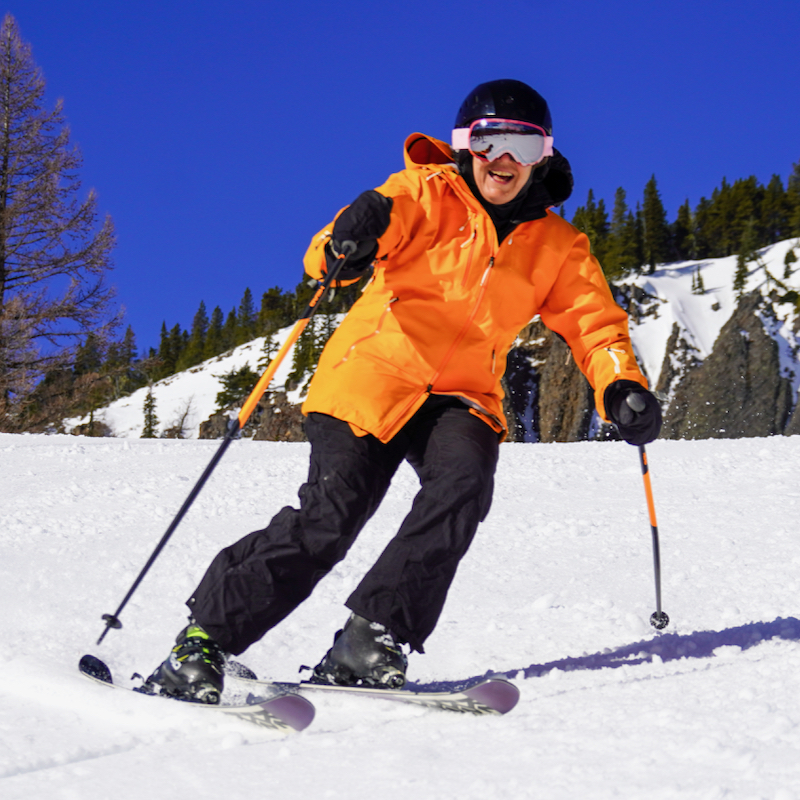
(462, 333)
(471, 241)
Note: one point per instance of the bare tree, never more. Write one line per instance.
(179, 428)
(54, 258)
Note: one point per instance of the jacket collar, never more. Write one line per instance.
(551, 186)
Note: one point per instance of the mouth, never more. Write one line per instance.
(501, 176)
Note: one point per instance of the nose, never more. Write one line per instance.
(506, 158)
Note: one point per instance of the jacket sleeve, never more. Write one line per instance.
(581, 308)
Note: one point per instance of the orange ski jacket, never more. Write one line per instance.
(446, 303)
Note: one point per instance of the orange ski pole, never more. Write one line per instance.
(658, 619)
(234, 426)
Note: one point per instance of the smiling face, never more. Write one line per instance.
(499, 181)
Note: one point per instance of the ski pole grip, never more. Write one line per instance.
(347, 247)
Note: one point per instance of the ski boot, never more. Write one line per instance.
(364, 653)
(193, 671)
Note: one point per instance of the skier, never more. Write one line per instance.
(465, 250)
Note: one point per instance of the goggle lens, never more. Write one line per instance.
(488, 139)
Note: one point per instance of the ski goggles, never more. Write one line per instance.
(488, 139)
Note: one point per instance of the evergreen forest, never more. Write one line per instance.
(738, 217)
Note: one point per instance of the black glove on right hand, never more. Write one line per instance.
(634, 411)
(363, 222)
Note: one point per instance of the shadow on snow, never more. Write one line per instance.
(665, 646)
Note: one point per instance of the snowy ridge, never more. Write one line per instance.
(701, 317)
(555, 593)
(195, 388)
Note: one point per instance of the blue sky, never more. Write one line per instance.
(221, 137)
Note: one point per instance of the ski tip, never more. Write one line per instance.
(95, 668)
(497, 694)
(297, 712)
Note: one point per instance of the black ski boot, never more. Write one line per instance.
(364, 653)
(193, 670)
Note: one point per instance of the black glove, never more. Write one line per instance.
(363, 222)
(634, 411)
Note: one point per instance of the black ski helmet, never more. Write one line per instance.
(507, 99)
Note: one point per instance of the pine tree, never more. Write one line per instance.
(775, 212)
(275, 312)
(53, 259)
(703, 216)
(698, 287)
(195, 346)
(166, 359)
(789, 259)
(150, 430)
(620, 257)
(236, 386)
(89, 356)
(229, 331)
(306, 354)
(268, 351)
(120, 367)
(128, 349)
(638, 226)
(246, 319)
(178, 339)
(684, 242)
(214, 344)
(748, 253)
(592, 220)
(746, 199)
(793, 200)
(655, 238)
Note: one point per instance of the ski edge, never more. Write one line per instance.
(493, 695)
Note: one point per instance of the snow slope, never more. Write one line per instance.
(702, 316)
(555, 593)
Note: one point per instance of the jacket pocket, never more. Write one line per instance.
(386, 311)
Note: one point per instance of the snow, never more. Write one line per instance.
(555, 593)
(195, 389)
(700, 316)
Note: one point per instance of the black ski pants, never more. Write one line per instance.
(258, 581)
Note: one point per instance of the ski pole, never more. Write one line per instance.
(234, 426)
(658, 619)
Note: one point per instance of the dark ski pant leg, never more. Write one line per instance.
(455, 455)
(258, 581)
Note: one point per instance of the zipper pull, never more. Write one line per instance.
(488, 269)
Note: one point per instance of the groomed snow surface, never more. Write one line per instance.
(555, 593)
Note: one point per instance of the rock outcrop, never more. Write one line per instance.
(274, 419)
(738, 391)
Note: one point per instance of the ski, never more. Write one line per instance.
(284, 711)
(485, 696)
